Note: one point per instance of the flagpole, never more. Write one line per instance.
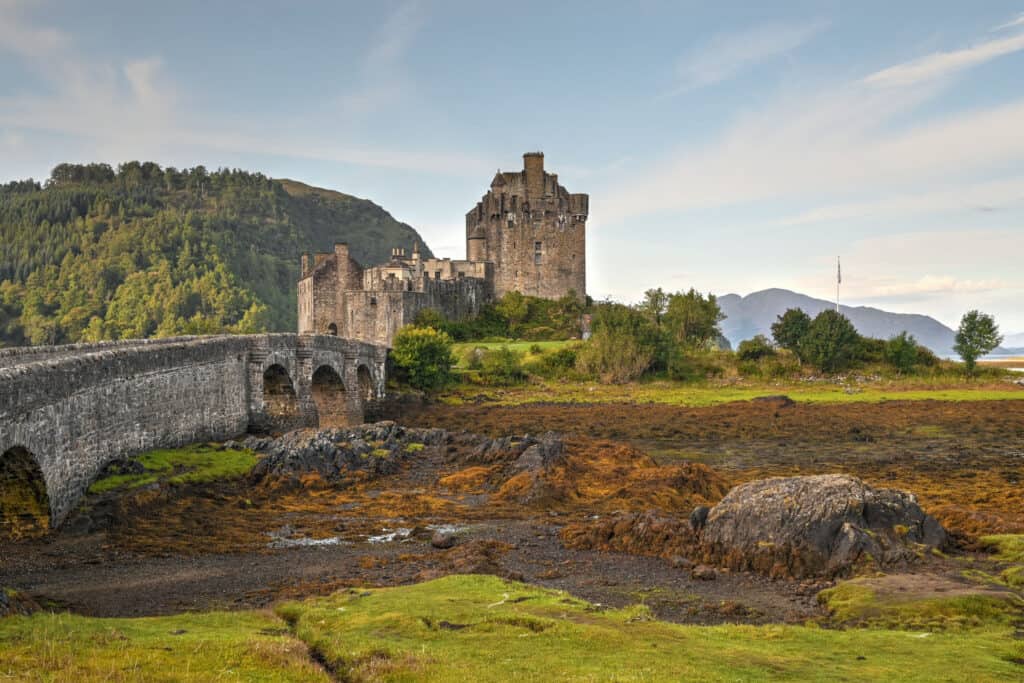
(839, 281)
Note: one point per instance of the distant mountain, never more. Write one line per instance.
(754, 314)
(144, 251)
(1014, 341)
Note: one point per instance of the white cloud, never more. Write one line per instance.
(726, 55)
(942, 64)
(935, 284)
(986, 196)
(1013, 23)
(847, 140)
(133, 110)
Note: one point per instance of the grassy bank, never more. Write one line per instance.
(194, 464)
(482, 628)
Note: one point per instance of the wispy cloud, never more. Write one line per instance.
(935, 284)
(850, 139)
(985, 196)
(133, 109)
(1013, 23)
(726, 55)
(942, 64)
(382, 81)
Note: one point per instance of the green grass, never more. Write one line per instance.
(700, 395)
(855, 602)
(215, 646)
(481, 628)
(1009, 547)
(195, 464)
(462, 349)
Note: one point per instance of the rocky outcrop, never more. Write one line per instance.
(332, 455)
(13, 603)
(822, 525)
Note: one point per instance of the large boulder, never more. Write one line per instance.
(822, 525)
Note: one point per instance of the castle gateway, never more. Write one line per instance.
(527, 234)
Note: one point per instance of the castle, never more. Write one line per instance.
(527, 234)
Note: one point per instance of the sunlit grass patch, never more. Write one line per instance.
(195, 464)
(857, 602)
(1009, 547)
(222, 646)
(482, 628)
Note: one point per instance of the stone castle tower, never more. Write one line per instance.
(527, 234)
(533, 231)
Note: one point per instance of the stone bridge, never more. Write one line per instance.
(68, 411)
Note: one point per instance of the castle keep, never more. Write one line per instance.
(527, 234)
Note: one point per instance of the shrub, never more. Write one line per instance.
(901, 352)
(554, 363)
(501, 366)
(622, 347)
(536, 349)
(755, 349)
(423, 357)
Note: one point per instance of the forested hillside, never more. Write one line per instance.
(139, 251)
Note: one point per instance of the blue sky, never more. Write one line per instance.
(726, 146)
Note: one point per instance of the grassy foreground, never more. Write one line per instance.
(215, 646)
(482, 628)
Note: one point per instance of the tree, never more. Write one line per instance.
(977, 335)
(790, 329)
(513, 307)
(622, 347)
(901, 352)
(654, 305)
(424, 356)
(831, 342)
(691, 319)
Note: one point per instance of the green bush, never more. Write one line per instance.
(755, 349)
(501, 366)
(623, 345)
(423, 357)
(831, 342)
(685, 365)
(559, 363)
(901, 352)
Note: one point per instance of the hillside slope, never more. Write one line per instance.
(754, 314)
(141, 251)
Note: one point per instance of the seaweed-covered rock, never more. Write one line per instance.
(334, 454)
(820, 525)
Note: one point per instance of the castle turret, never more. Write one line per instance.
(533, 163)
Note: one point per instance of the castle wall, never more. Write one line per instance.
(377, 315)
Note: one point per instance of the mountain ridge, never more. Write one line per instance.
(754, 314)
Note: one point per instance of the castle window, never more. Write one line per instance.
(537, 253)
(373, 301)
(437, 274)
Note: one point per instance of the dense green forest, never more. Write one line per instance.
(140, 251)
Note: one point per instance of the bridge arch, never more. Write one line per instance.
(329, 396)
(24, 500)
(280, 400)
